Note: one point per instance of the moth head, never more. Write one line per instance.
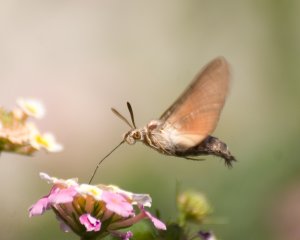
(133, 135)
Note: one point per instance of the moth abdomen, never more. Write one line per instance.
(209, 146)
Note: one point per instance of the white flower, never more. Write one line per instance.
(32, 107)
(46, 141)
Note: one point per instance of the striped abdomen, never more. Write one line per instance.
(209, 146)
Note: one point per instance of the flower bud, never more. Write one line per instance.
(193, 206)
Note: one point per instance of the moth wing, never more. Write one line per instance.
(195, 114)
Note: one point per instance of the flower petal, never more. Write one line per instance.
(47, 178)
(135, 198)
(39, 207)
(58, 195)
(141, 199)
(157, 223)
(54, 180)
(90, 223)
(117, 203)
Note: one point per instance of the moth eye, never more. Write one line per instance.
(137, 135)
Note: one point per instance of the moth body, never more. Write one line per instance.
(155, 137)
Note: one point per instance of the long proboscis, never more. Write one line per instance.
(95, 171)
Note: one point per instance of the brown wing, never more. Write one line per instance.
(195, 114)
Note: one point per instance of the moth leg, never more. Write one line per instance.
(160, 148)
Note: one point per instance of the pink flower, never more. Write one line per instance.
(94, 211)
(90, 223)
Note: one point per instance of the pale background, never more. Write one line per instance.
(83, 57)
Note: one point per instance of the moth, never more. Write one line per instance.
(184, 129)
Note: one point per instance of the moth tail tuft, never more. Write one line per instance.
(229, 159)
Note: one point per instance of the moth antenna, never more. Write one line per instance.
(131, 113)
(119, 115)
(94, 173)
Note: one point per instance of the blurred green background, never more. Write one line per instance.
(83, 57)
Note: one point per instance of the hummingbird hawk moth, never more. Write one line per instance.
(184, 129)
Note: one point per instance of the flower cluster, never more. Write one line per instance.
(94, 211)
(20, 136)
